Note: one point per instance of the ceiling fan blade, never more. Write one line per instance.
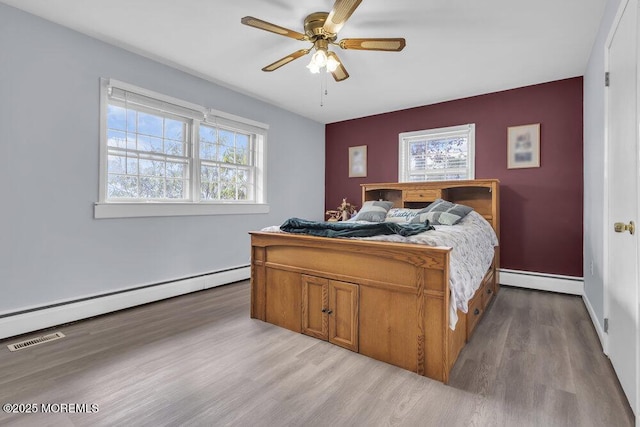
(342, 10)
(284, 61)
(393, 45)
(340, 73)
(267, 26)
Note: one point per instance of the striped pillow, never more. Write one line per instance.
(442, 212)
(373, 211)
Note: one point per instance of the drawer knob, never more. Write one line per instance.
(476, 311)
(329, 311)
(489, 291)
(324, 310)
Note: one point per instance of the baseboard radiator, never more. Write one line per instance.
(542, 281)
(33, 319)
(21, 322)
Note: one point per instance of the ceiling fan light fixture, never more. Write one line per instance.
(320, 58)
(332, 62)
(313, 67)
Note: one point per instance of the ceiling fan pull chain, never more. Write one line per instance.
(324, 80)
(323, 88)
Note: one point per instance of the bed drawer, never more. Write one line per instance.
(421, 195)
(488, 289)
(475, 312)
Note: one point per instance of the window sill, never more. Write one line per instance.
(139, 210)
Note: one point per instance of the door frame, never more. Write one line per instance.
(608, 217)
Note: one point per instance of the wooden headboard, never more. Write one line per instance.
(483, 195)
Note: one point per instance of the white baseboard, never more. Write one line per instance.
(47, 317)
(543, 282)
(596, 323)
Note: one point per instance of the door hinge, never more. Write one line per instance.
(606, 325)
(606, 79)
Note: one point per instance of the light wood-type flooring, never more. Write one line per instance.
(199, 360)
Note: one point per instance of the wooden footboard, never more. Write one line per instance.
(400, 313)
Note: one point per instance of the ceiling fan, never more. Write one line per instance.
(321, 29)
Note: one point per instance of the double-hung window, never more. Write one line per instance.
(227, 163)
(437, 154)
(164, 156)
(148, 149)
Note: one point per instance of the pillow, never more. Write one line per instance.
(442, 212)
(401, 215)
(373, 211)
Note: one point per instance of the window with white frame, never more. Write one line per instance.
(437, 154)
(157, 150)
(227, 163)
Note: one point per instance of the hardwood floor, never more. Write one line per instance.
(198, 359)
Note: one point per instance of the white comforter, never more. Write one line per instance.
(472, 239)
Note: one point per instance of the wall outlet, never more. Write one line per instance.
(591, 267)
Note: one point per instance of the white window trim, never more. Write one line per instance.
(405, 137)
(107, 209)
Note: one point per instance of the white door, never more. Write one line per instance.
(621, 288)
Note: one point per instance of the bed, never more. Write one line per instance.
(387, 299)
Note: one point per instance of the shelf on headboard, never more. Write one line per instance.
(481, 194)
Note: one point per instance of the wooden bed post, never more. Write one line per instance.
(258, 282)
(421, 319)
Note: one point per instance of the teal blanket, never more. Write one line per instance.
(351, 229)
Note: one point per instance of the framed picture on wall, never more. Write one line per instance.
(358, 161)
(523, 146)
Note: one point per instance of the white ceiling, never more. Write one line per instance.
(455, 48)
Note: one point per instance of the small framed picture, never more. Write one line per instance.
(358, 161)
(523, 146)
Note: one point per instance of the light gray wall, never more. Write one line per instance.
(594, 150)
(51, 248)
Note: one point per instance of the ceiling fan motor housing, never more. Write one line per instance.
(313, 27)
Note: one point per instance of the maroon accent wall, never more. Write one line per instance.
(541, 208)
